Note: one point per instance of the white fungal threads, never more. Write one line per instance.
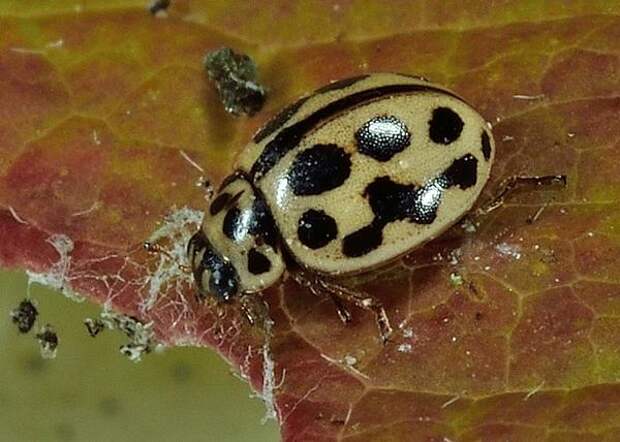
(57, 277)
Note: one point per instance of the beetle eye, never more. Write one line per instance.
(223, 281)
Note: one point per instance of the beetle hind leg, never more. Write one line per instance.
(309, 282)
(364, 301)
(341, 309)
(339, 293)
(512, 183)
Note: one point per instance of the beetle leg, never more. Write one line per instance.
(339, 293)
(155, 248)
(255, 310)
(343, 313)
(362, 300)
(309, 282)
(515, 182)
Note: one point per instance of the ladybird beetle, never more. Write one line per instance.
(345, 180)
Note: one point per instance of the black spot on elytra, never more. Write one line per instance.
(231, 224)
(463, 172)
(257, 262)
(316, 229)
(445, 126)
(340, 84)
(486, 145)
(391, 201)
(426, 202)
(362, 241)
(279, 120)
(318, 169)
(223, 277)
(219, 203)
(382, 137)
(289, 137)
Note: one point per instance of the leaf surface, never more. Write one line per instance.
(509, 332)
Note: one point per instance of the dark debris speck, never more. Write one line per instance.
(24, 316)
(94, 326)
(236, 78)
(158, 6)
(140, 335)
(48, 340)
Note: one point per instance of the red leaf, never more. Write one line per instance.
(506, 333)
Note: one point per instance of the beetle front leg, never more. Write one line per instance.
(343, 312)
(255, 310)
(155, 248)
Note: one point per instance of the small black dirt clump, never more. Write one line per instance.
(236, 78)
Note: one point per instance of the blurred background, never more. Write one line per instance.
(90, 392)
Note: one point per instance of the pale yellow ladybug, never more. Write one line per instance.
(343, 181)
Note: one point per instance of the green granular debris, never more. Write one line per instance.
(236, 78)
